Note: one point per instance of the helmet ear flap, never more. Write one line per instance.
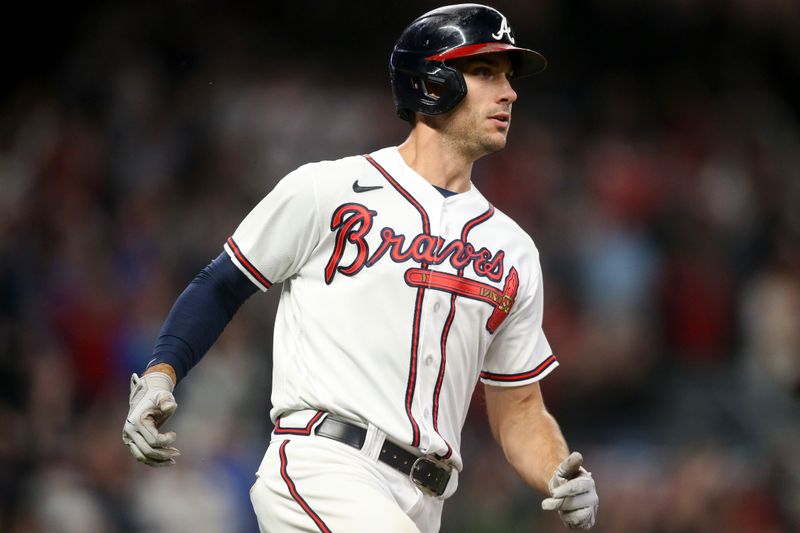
(451, 87)
(434, 92)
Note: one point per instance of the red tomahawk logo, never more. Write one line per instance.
(441, 281)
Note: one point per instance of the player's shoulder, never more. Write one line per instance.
(520, 248)
(513, 233)
(333, 169)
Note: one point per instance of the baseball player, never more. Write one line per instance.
(402, 287)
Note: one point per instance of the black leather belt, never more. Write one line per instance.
(427, 472)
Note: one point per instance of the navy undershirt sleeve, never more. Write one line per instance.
(200, 314)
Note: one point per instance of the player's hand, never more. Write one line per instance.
(572, 494)
(151, 404)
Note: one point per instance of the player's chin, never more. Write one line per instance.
(494, 142)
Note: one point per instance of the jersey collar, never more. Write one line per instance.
(417, 185)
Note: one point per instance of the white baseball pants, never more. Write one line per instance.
(308, 483)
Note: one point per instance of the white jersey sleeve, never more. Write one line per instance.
(519, 353)
(276, 238)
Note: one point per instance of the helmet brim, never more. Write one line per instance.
(526, 62)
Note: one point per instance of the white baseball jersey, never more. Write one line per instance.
(395, 299)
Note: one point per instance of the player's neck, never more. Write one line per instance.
(436, 161)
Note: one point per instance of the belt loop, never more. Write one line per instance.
(373, 443)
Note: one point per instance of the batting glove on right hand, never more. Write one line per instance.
(151, 404)
(572, 494)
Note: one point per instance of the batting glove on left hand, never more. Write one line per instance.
(572, 494)
(151, 404)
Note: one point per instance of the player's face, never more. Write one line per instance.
(479, 124)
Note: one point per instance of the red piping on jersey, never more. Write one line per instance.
(446, 330)
(297, 431)
(248, 265)
(296, 495)
(544, 365)
(426, 225)
(440, 379)
(412, 370)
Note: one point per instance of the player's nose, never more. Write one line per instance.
(507, 93)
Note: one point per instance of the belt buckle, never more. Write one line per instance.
(440, 465)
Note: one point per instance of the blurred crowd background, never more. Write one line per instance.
(655, 163)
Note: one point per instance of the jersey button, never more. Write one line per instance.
(429, 360)
(436, 306)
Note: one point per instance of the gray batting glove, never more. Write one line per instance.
(572, 494)
(151, 404)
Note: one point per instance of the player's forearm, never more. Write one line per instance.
(528, 434)
(533, 444)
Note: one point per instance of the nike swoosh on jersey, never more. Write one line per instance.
(359, 188)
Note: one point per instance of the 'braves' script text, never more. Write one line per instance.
(352, 223)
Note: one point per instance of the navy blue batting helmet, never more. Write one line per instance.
(420, 56)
